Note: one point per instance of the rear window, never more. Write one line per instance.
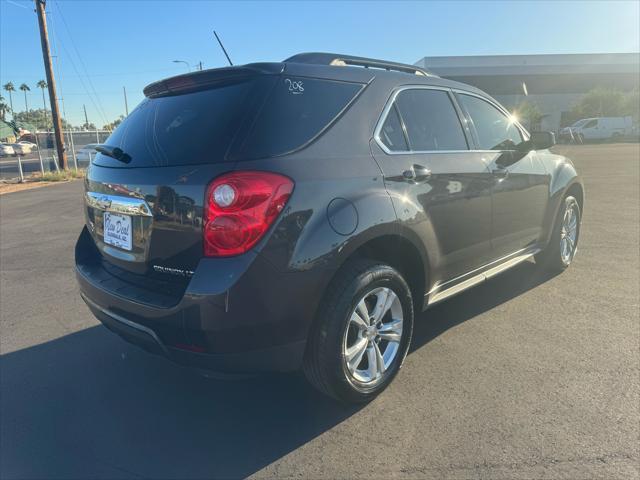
(295, 113)
(257, 117)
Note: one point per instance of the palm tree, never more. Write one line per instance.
(3, 108)
(25, 88)
(42, 85)
(10, 88)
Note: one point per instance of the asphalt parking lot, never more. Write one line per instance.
(525, 376)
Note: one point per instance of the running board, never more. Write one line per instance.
(438, 296)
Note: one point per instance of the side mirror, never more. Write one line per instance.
(542, 140)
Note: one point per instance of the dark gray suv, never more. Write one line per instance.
(278, 216)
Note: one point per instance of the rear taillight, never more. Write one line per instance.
(239, 208)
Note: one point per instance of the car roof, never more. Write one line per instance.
(331, 66)
(370, 68)
(342, 60)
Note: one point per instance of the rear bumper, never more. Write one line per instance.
(281, 358)
(236, 315)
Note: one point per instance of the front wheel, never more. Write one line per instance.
(563, 245)
(362, 332)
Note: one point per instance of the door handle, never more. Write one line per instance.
(417, 173)
(500, 172)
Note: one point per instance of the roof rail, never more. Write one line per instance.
(336, 59)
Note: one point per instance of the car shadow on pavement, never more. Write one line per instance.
(88, 405)
(475, 301)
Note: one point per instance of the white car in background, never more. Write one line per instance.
(86, 153)
(22, 148)
(599, 128)
(6, 150)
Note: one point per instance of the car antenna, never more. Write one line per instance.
(223, 49)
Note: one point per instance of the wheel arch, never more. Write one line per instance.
(565, 181)
(577, 190)
(401, 253)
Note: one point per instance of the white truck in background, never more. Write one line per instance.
(599, 128)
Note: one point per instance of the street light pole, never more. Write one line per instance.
(185, 62)
(126, 104)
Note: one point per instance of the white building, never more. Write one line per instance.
(554, 82)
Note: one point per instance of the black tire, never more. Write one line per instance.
(552, 258)
(324, 364)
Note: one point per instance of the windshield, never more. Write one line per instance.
(579, 123)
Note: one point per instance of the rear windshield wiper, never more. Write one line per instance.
(113, 152)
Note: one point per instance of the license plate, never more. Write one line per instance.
(117, 230)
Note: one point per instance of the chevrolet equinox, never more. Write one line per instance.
(298, 215)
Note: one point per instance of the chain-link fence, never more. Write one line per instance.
(36, 153)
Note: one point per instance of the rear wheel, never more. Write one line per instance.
(362, 333)
(563, 245)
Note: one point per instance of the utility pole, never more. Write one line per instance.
(51, 84)
(86, 119)
(126, 105)
(200, 66)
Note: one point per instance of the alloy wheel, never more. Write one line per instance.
(373, 335)
(569, 233)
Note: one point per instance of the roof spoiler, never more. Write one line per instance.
(336, 59)
(209, 78)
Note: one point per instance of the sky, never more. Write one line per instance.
(103, 46)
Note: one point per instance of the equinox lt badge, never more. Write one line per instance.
(173, 271)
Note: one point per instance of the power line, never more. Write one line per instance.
(80, 77)
(110, 74)
(99, 106)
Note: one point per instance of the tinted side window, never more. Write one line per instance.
(431, 120)
(391, 133)
(296, 112)
(495, 130)
(590, 124)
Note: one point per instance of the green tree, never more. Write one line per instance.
(632, 104)
(40, 118)
(3, 108)
(113, 125)
(25, 88)
(42, 85)
(9, 87)
(600, 102)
